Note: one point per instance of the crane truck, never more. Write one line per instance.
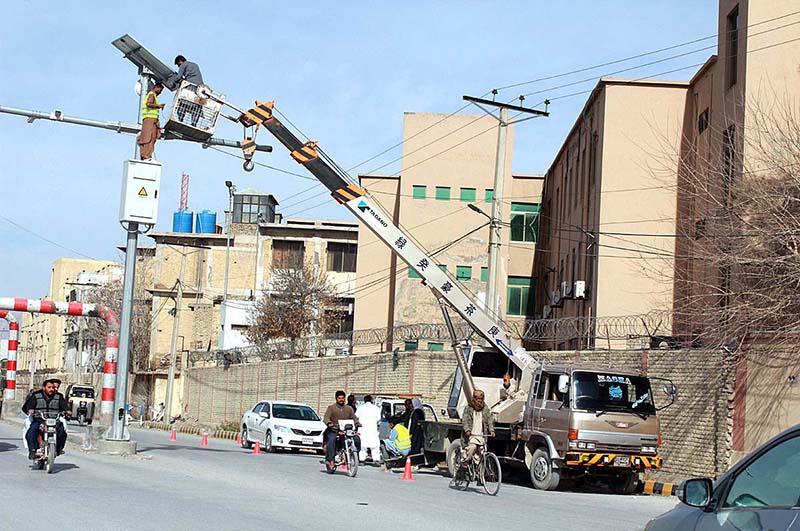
(560, 421)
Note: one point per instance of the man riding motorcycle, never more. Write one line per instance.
(47, 403)
(336, 412)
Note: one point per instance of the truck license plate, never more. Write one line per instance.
(308, 440)
(622, 460)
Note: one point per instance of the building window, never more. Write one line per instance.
(247, 208)
(468, 195)
(411, 345)
(435, 345)
(287, 254)
(443, 267)
(342, 257)
(443, 193)
(463, 273)
(489, 196)
(702, 121)
(524, 217)
(520, 296)
(419, 191)
(413, 274)
(733, 47)
(484, 274)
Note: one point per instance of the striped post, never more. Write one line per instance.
(13, 345)
(83, 310)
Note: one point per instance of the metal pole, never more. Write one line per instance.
(224, 311)
(176, 324)
(468, 385)
(79, 361)
(493, 273)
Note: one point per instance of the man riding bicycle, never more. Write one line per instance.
(47, 403)
(336, 412)
(477, 423)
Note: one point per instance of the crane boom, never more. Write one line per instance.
(369, 212)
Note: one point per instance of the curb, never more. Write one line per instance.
(655, 488)
(190, 429)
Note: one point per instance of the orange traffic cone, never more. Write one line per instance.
(256, 449)
(204, 440)
(407, 472)
(173, 436)
(239, 439)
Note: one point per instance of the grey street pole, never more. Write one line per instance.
(123, 357)
(493, 272)
(176, 324)
(223, 312)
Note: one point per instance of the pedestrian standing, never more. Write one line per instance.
(151, 130)
(369, 415)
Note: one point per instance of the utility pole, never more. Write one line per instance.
(496, 219)
(176, 324)
(223, 312)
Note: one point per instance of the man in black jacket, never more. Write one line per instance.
(47, 403)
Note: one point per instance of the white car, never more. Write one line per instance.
(277, 424)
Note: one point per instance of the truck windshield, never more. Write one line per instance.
(613, 392)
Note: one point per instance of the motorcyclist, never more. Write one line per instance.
(47, 403)
(336, 412)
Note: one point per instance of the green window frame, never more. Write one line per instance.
(419, 191)
(489, 195)
(524, 220)
(411, 345)
(484, 274)
(463, 273)
(519, 296)
(435, 346)
(443, 267)
(443, 193)
(468, 195)
(413, 274)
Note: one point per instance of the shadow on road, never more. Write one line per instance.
(5, 447)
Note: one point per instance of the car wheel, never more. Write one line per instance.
(543, 475)
(268, 442)
(245, 441)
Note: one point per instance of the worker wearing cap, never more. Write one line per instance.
(151, 130)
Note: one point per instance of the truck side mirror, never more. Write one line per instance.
(563, 383)
(671, 391)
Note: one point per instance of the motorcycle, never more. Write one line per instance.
(346, 452)
(46, 453)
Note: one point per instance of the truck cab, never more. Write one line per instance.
(585, 421)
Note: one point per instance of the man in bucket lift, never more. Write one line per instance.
(150, 128)
(190, 72)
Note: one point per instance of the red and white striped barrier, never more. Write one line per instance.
(13, 345)
(84, 310)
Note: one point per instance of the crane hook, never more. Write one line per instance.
(248, 165)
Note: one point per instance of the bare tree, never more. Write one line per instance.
(298, 304)
(738, 247)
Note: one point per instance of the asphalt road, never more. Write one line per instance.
(181, 485)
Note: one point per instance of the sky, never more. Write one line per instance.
(343, 72)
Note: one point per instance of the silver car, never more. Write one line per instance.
(760, 492)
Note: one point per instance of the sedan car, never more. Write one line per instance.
(277, 424)
(760, 492)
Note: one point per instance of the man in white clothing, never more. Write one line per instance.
(369, 415)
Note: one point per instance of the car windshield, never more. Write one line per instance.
(613, 392)
(292, 412)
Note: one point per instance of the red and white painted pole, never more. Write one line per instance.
(10, 304)
(11, 363)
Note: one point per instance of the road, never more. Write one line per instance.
(181, 485)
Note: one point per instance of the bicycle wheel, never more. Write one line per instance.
(491, 474)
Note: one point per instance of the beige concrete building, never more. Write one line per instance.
(448, 163)
(44, 339)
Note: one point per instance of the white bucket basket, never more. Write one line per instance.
(193, 116)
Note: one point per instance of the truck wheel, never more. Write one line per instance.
(627, 482)
(453, 457)
(543, 475)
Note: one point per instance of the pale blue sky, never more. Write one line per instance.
(344, 72)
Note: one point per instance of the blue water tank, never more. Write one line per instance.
(182, 221)
(206, 222)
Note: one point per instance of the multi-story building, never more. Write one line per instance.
(448, 164)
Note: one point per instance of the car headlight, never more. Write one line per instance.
(283, 429)
(648, 449)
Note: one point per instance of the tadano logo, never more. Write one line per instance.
(363, 207)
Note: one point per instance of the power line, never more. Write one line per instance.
(44, 238)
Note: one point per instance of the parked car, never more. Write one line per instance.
(762, 491)
(277, 424)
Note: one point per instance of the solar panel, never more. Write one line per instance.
(142, 58)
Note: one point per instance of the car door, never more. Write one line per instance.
(253, 420)
(763, 494)
(265, 418)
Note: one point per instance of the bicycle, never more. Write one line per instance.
(486, 472)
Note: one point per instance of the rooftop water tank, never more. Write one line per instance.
(182, 221)
(206, 222)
